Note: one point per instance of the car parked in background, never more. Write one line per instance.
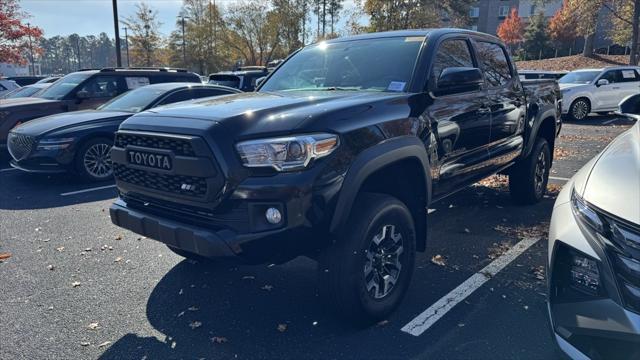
(540, 74)
(597, 90)
(80, 141)
(7, 86)
(245, 78)
(594, 253)
(25, 91)
(26, 80)
(82, 90)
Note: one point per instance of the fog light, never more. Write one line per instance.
(273, 216)
(584, 274)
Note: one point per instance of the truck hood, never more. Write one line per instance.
(18, 103)
(614, 182)
(253, 113)
(62, 121)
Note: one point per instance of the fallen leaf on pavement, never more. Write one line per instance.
(119, 237)
(219, 339)
(75, 284)
(282, 327)
(195, 324)
(438, 260)
(92, 326)
(118, 259)
(51, 267)
(4, 256)
(85, 343)
(104, 344)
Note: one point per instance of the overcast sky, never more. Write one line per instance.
(91, 17)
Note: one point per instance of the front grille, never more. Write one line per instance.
(179, 146)
(625, 256)
(175, 184)
(20, 145)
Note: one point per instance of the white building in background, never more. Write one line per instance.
(7, 69)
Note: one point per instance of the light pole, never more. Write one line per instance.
(184, 51)
(126, 44)
(117, 33)
(32, 69)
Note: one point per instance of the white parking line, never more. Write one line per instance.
(436, 311)
(87, 190)
(8, 169)
(559, 178)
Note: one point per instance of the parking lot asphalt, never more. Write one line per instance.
(78, 287)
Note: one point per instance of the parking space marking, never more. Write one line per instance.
(87, 190)
(8, 169)
(559, 178)
(435, 312)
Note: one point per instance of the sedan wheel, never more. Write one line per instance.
(93, 160)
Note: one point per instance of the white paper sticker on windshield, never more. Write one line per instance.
(628, 74)
(396, 86)
(136, 82)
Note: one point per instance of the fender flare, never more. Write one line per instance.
(373, 159)
(540, 118)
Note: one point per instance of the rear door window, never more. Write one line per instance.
(495, 65)
(134, 82)
(629, 75)
(178, 96)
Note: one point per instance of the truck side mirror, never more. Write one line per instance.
(602, 82)
(459, 79)
(629, 107)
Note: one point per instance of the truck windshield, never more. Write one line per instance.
(134, 100)
(579, 77)
(62, 87)
(371, 64)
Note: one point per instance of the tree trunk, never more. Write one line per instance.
(635, 28)
(588, 45)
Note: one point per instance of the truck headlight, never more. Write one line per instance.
(54, 143)
(286, 153)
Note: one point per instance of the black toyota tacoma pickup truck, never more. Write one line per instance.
(337, 156)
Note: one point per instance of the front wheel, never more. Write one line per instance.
(528, 178)
(93, 160)
(365, 275)
(580, 109)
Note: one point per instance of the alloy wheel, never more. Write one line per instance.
(382, 264)
(97, 161)
(580, 109)
(540, 173)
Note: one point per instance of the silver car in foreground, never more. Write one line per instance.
(594, 256)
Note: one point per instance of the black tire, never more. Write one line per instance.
(580, 109)
(528, 178)
(93, 149)
(343, 266)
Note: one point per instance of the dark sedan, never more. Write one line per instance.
(80, 141)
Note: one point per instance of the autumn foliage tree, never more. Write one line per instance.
(511, 30)
(562, 27)
(14, 35)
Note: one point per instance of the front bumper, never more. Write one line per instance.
(591, 327)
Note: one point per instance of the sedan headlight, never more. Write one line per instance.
(54, 143)
(286, 153)
(585, 213)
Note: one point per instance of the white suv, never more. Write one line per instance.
(597, 90)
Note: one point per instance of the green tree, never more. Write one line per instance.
(405, 14)
(536, 40)
(145, 38)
